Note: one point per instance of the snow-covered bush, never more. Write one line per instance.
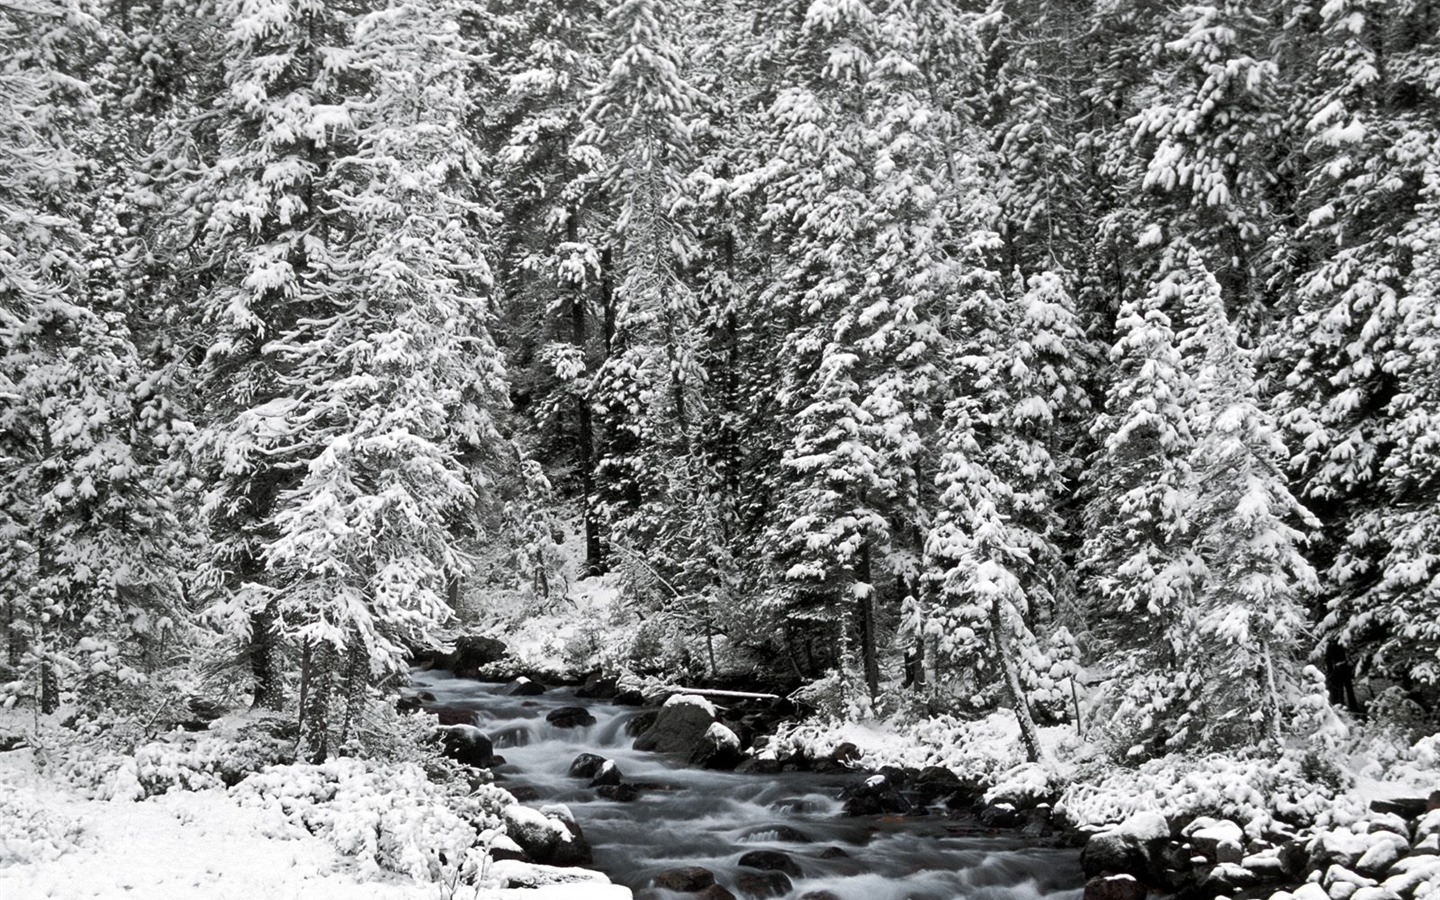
(1254, 791)
(29, 833)
(387, 816)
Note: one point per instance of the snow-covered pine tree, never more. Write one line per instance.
(1370, 111)
(858, 200)
(1250, 630)
(640, 120)
(87, 520)
(553, 274)
(351, 378)
(1212, 139)
(1396, 617)
(1137, 560)
(1000, 598)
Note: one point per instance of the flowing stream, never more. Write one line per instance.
(693, 817)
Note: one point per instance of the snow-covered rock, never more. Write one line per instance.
(1145, 826)
(719, 748)
(1407, 875)
(1114, 887)
(1378, 859)
(1222, 842)
(680, 727)
(549, 836)
(466, 744)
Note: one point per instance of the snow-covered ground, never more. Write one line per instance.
(56, 843)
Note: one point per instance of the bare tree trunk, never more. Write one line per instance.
(580, 337)
(264, 671)
(865, 613)
(315, 713)
(1029, 734)
(356, 686)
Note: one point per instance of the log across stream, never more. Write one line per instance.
(686, 817)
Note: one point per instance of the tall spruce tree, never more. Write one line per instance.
(351, 381)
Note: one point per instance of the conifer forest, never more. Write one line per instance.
(1057, 377)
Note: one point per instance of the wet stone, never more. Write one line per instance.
(608, 775)
(1114, 887)
(586, 765)
(687, 879)
(770, 861)
(763, 884)
(620, 793)
(570, 717)
(780, 833)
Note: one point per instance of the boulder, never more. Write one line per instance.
(934, 783)
(763, 884)
(1228, 878)
(719, 748)
(473, 652)
(1222, 842)
(846, 754)
(715, 892)
(1405, 807)
(570, 717)
(1114, 853)
(620, 793)
(1429, 824)
(467, 745)
(1389, 822)
(524, 687)
(1001, 815)
(451, 716)
(819, 895)
(684, 880)
(1038, 822)
(607, 775)
(586, 765)
(1114, 887)
(680, 726)
(833, 852)
(873, 797)
(597, 687)
(758, 765)
(1378, 859)
(1406, 876)
(770, 861)
(549, 836)
(780, 833)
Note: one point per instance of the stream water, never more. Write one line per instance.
(693, 817)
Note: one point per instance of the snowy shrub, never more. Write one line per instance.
(101, 767)
(839, 695)
(1253, 791)
(204, 761)
(390, 817)
(29, 833)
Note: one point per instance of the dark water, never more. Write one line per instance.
(693, 817)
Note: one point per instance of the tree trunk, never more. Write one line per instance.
(264, 670)
(865, 614)
(580, 337)
(315, 713)
(1029, 735)
(356, 686)
(49, 686)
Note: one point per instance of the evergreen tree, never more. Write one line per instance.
(995, 556)
(1250, 621)
(87, 515)
(1139, 558)
(351, 380)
